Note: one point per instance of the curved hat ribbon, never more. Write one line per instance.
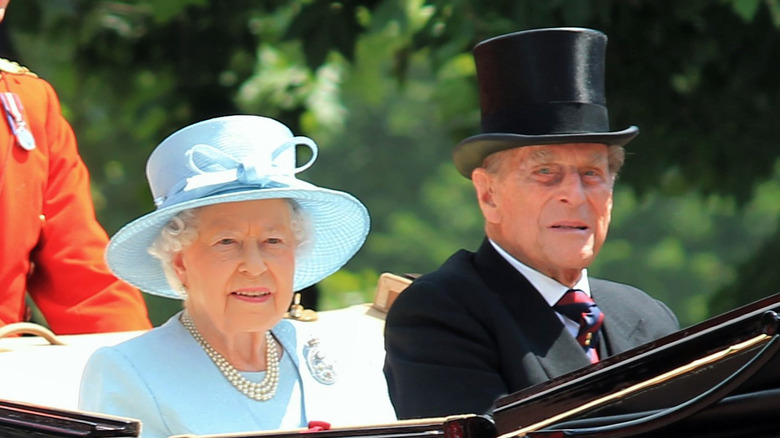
(216, 170)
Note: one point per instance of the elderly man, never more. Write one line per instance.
(521, 309)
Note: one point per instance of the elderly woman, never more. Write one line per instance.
(234, 234)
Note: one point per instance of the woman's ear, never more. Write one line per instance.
(483, 184)
(177, 262)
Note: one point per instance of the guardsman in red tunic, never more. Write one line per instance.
(51, 245)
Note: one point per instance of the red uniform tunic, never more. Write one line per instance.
(51, 245)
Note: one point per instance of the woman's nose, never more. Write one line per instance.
(253, 262)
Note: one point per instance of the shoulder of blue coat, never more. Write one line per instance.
(14, 68)
(285, 329)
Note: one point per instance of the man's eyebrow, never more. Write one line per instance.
(547, 155)
(599, 157)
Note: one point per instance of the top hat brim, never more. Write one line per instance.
(471, 152)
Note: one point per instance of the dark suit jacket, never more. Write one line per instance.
(474, 330)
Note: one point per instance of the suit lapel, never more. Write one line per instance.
(556, 351)
(620, 333)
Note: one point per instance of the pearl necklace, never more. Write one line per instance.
(261, 391)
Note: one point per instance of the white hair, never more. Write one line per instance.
(182, 230)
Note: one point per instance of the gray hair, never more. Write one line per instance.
(182, 230)
(616, 156)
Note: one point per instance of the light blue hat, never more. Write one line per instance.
(230, 159)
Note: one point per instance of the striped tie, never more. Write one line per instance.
(579, 307)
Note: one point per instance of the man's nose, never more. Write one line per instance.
(572, 189)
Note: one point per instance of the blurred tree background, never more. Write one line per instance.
(388, 87)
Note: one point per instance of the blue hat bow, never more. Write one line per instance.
(217, 171)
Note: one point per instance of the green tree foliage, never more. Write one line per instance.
(387, 88)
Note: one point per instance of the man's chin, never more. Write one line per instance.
(574, 261)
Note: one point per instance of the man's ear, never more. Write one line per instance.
(483, 184)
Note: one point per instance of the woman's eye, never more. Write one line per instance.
(226, 241)
(274, 240)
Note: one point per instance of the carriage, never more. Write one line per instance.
(718, 378)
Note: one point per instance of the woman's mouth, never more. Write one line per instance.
(251, 295)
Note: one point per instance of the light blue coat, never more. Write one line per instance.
(164, 379)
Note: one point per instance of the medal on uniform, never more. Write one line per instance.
(14, 112)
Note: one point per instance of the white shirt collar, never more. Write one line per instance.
(551, 290)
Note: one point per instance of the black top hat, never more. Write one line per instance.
(542, 86)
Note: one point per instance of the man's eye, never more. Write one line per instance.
(544, 171)
(592, 173)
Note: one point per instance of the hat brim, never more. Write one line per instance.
(339, 226)
(471, 152)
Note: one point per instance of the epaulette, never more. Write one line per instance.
(15, 68)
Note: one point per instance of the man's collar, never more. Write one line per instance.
(550, 289)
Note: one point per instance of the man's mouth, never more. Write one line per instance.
(570, 227)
